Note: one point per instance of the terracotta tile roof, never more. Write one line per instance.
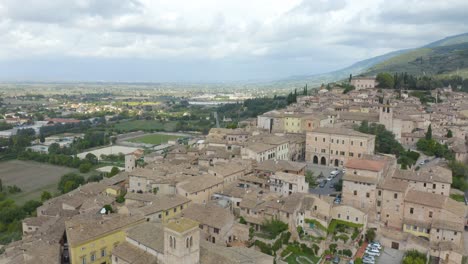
(210, 215)
(426, 198)
(363, 164)
(149, 234)
(83, 228)
(134, 255)
(394, 185)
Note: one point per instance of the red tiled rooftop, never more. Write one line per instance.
(362, 164)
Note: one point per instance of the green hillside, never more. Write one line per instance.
(439, 60)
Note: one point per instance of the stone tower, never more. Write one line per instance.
(386, 116)
(182, 242)
(130, 162)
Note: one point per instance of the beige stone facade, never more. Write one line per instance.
(334, 146)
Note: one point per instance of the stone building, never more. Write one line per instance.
(334, 146)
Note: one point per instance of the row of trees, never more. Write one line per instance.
(410, 82)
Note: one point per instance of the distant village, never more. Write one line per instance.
(299, 181)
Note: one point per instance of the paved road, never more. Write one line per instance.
(390, 256)
(325, 170)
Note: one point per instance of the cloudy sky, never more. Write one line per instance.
(210, 40)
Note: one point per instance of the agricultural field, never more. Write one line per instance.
(32, 177)
(154, 139)
(146, 125)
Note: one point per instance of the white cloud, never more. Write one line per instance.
(324, 34)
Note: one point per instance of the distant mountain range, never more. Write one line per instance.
(444, 57)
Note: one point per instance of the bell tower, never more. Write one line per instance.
(182, 242)
(386, 116)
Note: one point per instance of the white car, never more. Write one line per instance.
(376, 244)
(334, 173)
(329, 178)
(368, 261)
(372, 253)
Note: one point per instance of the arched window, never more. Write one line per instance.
(170, 241)
(187, 242)
(191, 242)
(174, 242)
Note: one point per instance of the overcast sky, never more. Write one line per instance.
(210, 40)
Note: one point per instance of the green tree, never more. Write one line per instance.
(94, 178)
(385, 80)
(45, 196)
(72, 181)
(114, 171)
(91, 158)
(69, 186)
(54, 148)
(310, 179)
(30, 206)
(370, 235)
(429, 132)
(449, 134)
(85, 167)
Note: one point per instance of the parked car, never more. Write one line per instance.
(334, 173)
(329, 178)
(336, 260)
(373, 249)
(322, 184)
(368, 261)
(368, 257)
(337, 200)
(376, 244)
(372, 253)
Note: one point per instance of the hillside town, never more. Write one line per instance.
(309, 182)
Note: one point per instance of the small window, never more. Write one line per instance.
(430, 214)
(103, 252)
(355, 192)
(395, 195)
(411, 210)
(216, 231)
(380, 193)
(93, 256)
(367, 195)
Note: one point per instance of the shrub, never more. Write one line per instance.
(264, 248)
(242, 220)
(274, 227)
(85, 167)
(120, 199)
(94, 178)
(333, 247)
(370, 235)
(13, 189)
(347, 252)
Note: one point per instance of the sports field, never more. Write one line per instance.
(32, 177)
(154, 139)
(146, 125)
